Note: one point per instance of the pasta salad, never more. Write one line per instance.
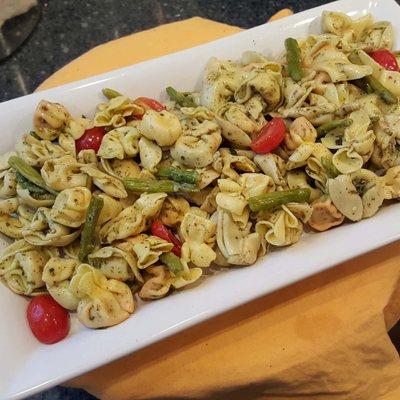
(140, 199)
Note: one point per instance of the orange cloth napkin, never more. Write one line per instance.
(323, 338)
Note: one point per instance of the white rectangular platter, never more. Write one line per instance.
(26, 366)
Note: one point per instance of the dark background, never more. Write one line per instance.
(68, 28)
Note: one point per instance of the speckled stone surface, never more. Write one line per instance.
(69, 28)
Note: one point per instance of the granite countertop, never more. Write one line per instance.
(68, 28)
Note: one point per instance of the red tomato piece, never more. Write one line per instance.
(148, 103)
(386, 59)
(91, 139)
(160, 230)
(270, 137)
(48, 321)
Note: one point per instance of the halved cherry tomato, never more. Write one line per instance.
(160, 230)
(48, 321)
(148, 103)
(270, 137)
(91, 139)
(386, 59)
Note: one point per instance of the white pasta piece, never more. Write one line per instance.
(298, 179)
(75, 128)
(301, 131)
(49, 120)
(380, 35)
(4, 160)
(21, 267)
(132, 220)
(347, 160)
(162, 127)
(160, 281)
(111, 208)
(33, 200)
(195, 147)
(150, 154)
(63, 173)
(207, 176)
(264, 80)
(115, 263)
(324, 56)
(67, 143)
(148, 249)
(198, 233)
(8, 184)
(43, 231)
(357, 195)
(115, 112)
(121, 169)
(103, 302)
(199, 113)
(237, 244)
(391, 183)
(387, 132)
(108, 184)
(273, 166)
(282, 228)
(36, 152)
(111, 145)
(221, 80)
(173, 210)
(226, 162)
(87, 156)
(70, 207)
(236, 125)
(11, 224)
(57, 274)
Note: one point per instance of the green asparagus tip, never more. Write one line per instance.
(272, 200)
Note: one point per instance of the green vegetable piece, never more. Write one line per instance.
(88, 235)
(386, 95)
(293, 56)
(30, 173)
(158, 186)
(34, 134)
(323, 129)
(371, 85)
(179, 175)
(173, 263)
(363, 85)
(271, 200)
(26, 184)
(110, 93)
(180, 98)
(329, 168)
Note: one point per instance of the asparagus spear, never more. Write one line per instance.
(30, 173)
(180, 98)
(26, 184)
(371, 85)
(155, 186)
(173, 263)
(179, 175)
(271, 200)
(110, 93)
(323, 129)
(88, 238)
(329, 168)
(293, 56)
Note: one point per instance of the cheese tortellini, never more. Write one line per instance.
(262, 151)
